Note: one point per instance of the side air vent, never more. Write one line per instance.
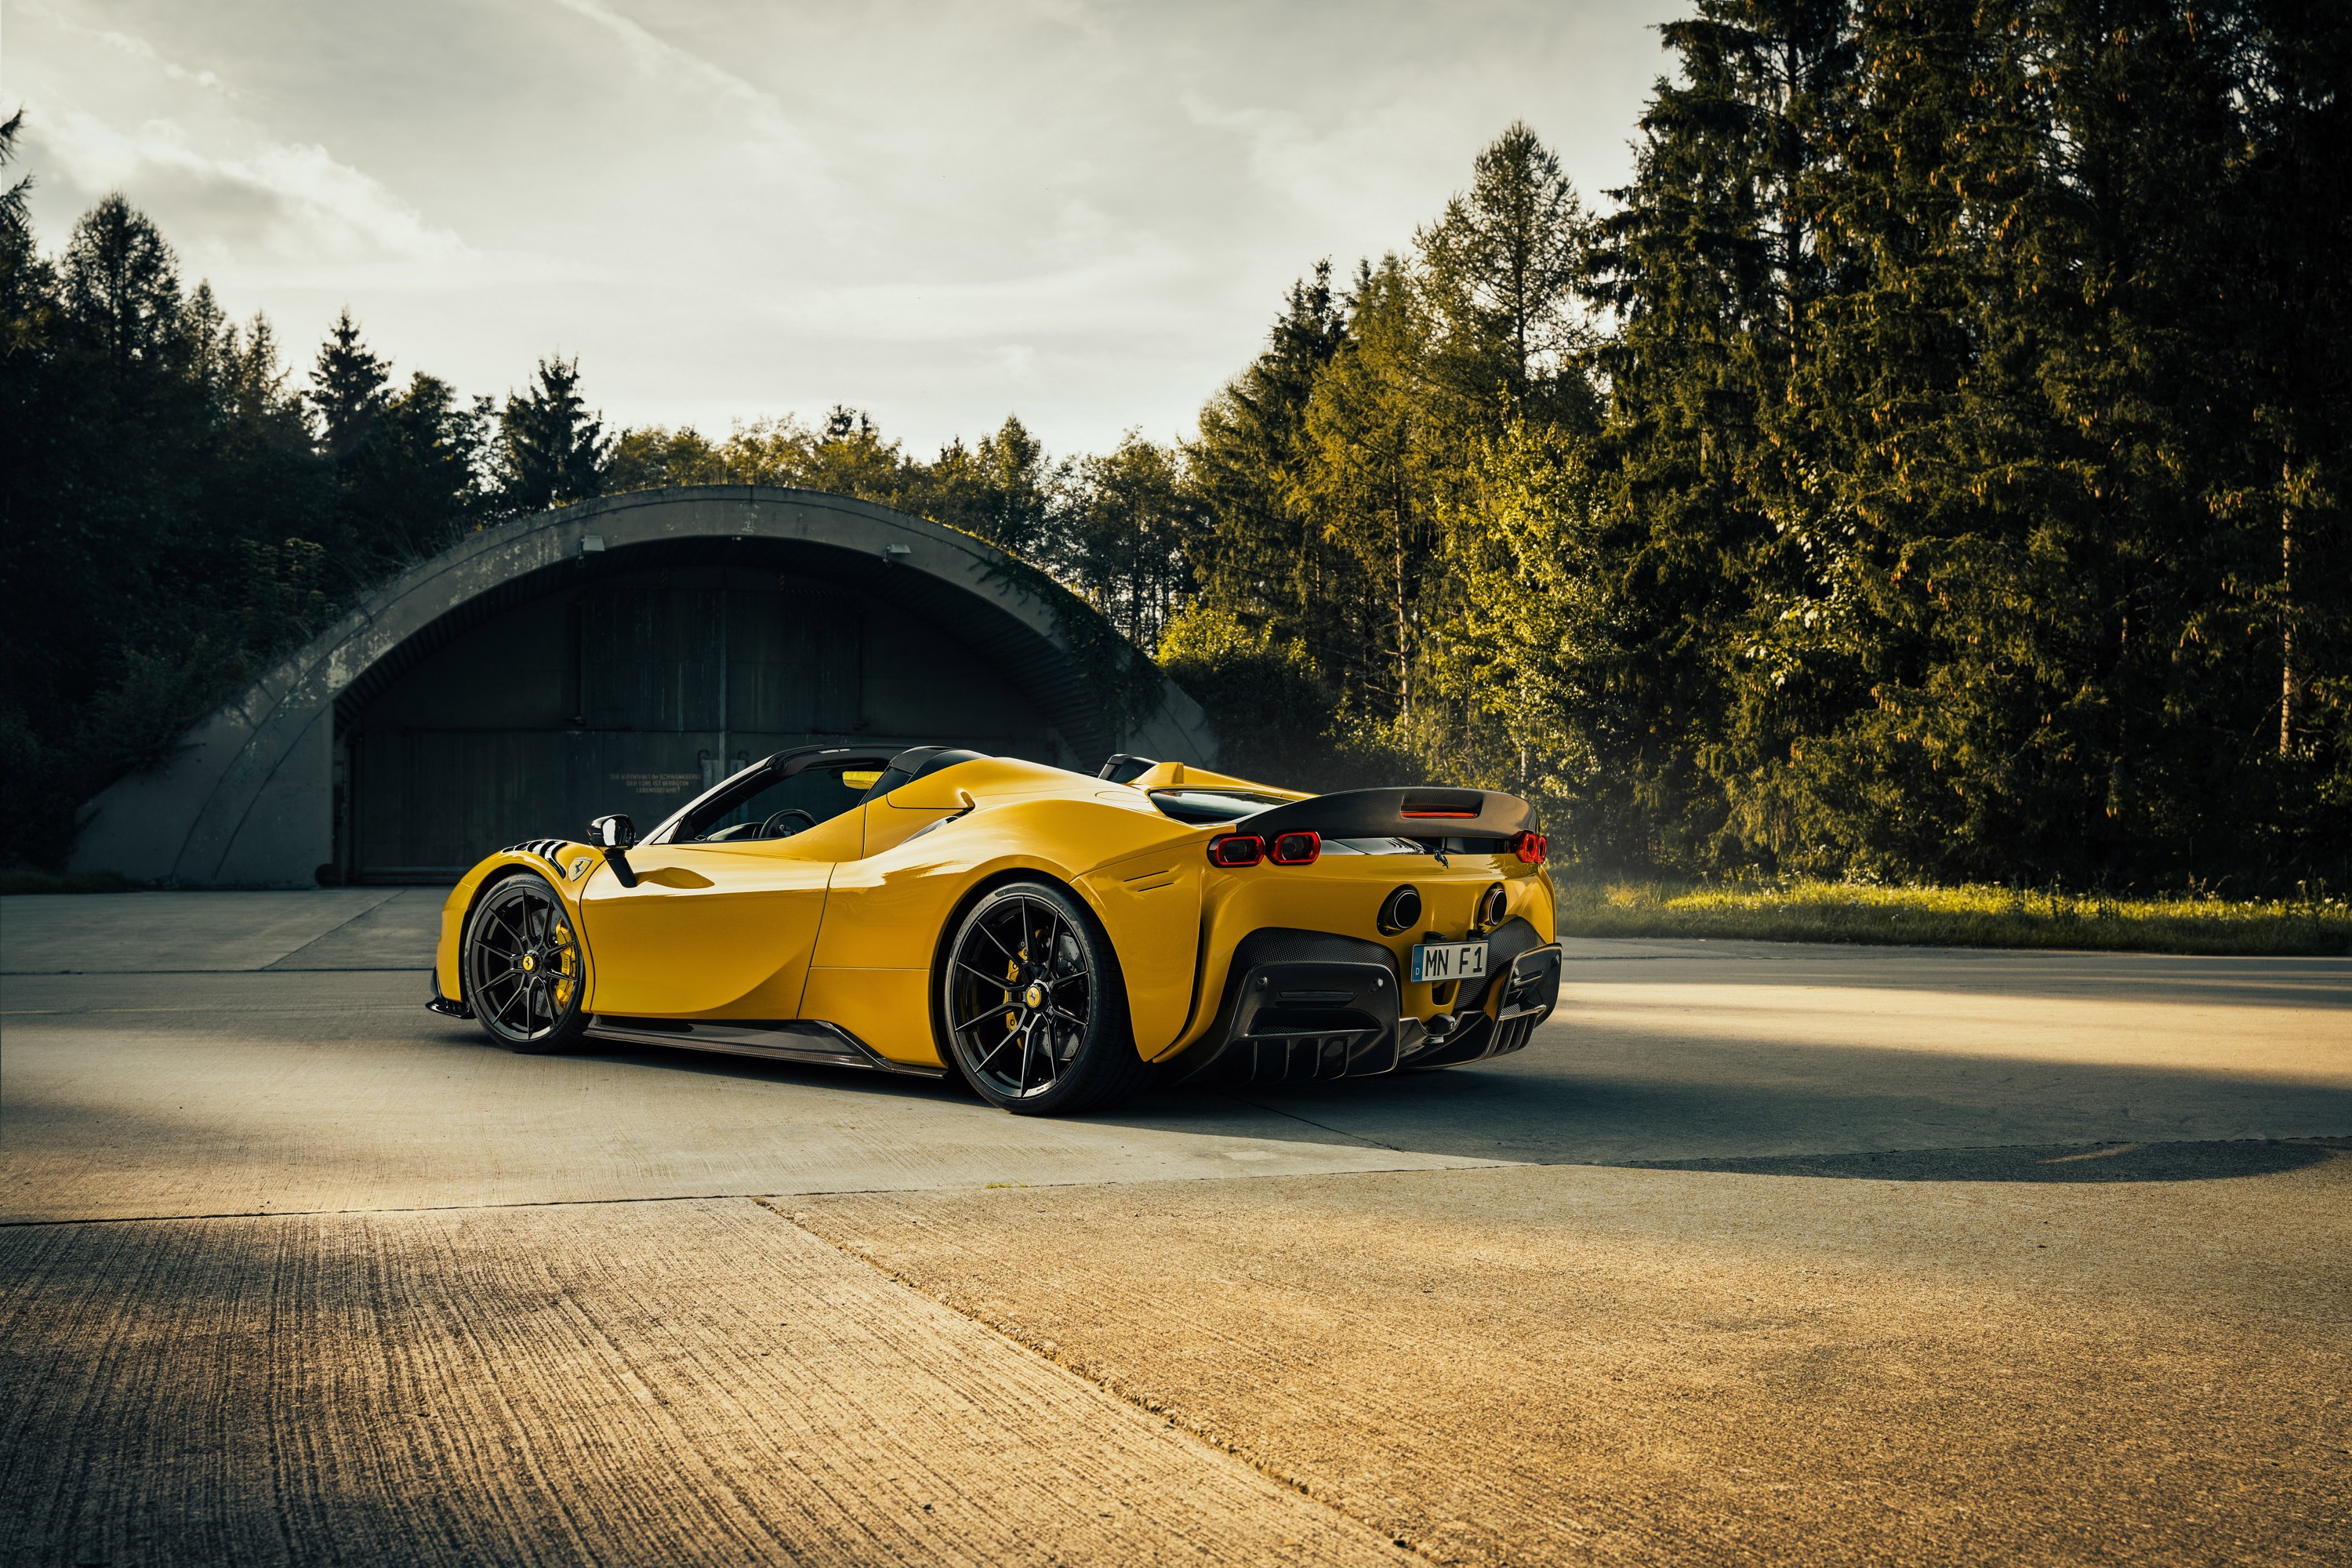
(544, 849)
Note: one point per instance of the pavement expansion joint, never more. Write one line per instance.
(870, 1192)
(454, 1208)
(1326, 1126)
(1050, 1352)
(356, 916)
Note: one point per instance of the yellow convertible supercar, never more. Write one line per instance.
(1055, 939)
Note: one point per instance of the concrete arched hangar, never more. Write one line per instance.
(620, 656)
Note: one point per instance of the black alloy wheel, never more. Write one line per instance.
(522, 966)
(1034, 1006)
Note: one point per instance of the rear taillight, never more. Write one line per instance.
(1295, 848)
(1530, 847)
(1236, 849)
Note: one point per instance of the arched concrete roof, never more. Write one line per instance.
(249, 801)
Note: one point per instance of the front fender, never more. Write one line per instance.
(565, 865)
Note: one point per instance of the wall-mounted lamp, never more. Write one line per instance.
(592, 544)
(892, 552)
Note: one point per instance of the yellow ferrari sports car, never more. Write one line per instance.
(1054, 939)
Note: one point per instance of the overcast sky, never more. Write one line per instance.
(1086, 213)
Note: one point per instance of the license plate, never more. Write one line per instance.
(1434, 964)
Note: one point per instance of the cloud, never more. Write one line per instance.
(1067, 302)
(288, 209)
(294, 199)
(773, 133)
(138, 48)
(1285, 157)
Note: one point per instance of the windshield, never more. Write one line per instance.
(769, 807)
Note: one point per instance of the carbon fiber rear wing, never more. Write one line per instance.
(1424, 812)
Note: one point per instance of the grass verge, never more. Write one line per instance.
(1954, 916)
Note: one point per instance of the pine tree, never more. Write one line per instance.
(1264, 562)
(15, 216)
(121, 291)
(1123, 534)
(1499, 270)
(1377, 449)
(1710, 269)
(550, 449)
(347, 389)
(2289, 360)
(415, 487)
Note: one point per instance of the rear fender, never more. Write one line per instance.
(1136, 871)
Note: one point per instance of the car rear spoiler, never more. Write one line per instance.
(1426, 812)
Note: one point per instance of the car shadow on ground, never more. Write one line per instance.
(1805, 1111)
(1810, 1111)
(1849, 1114)
(2057, 1163)
(2003, 974)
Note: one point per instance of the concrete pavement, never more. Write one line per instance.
(688, 1383)
(1905, 1253)
(1572, 1364)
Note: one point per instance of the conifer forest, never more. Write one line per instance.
(1933, 464)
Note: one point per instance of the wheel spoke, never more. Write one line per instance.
(499, 916)
(1010, 1036)
(520, 925)
(981, 927)
(1022, 944)
(983, 1016)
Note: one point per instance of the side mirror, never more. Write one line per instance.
(614, 834)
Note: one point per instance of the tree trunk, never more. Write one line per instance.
(2287, 612)
(1404, 643)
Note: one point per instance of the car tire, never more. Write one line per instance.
(1032, 1006)
(522, 966)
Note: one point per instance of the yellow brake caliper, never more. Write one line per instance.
(566, 963)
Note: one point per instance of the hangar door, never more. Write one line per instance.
(634, 694)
